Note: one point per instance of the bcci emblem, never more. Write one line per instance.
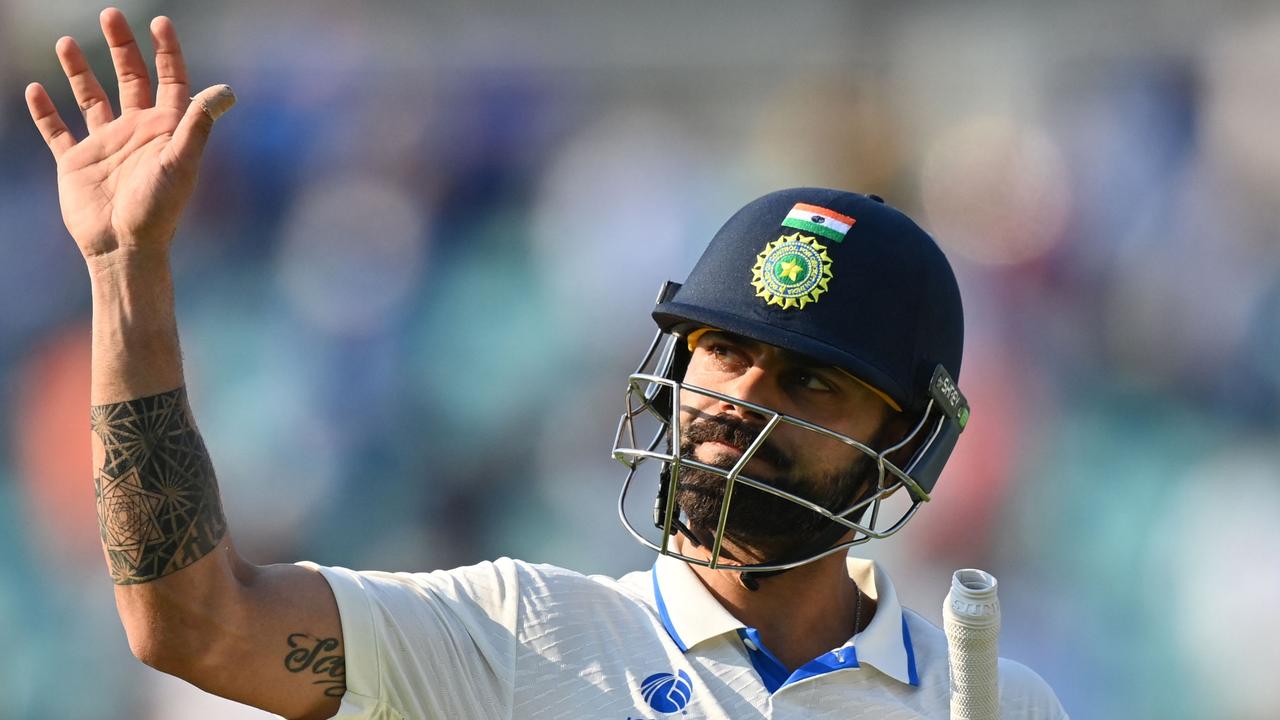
(791, 271)
(667, 693)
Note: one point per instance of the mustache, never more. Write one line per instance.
(735, 432)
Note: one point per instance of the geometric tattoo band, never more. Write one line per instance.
(158, 504)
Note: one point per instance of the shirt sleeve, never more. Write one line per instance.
(428, 645)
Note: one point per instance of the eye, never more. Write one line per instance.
(719, 352)
(812, 381)
(724, 353)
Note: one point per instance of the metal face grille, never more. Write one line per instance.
(650, 431)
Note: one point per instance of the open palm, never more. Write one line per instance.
(124, 186)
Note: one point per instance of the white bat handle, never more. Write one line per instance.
(971, 619)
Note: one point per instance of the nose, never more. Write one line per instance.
(753, 386)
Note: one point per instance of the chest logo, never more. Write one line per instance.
(791, 271)
(667, 693)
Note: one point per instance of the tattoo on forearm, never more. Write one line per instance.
(317, 656)
(158, 504)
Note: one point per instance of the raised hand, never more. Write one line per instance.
(124, 186)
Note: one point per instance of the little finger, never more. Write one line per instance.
(48, 121)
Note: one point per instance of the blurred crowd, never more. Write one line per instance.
(420, 262)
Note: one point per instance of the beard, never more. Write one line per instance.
(771, 528)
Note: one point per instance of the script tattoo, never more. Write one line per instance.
(316, 655)
(158, 504)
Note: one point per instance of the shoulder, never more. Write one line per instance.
(505, 600)
(495, 582)
(550, 590)
(1023, 693)
(495, 578)
(551, 610)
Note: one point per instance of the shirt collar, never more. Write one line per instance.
(689, 612)
(691, 615)
(885, 642)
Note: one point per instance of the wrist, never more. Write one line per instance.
(132, 292)
(126, 263)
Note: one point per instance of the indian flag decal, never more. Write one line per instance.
(818, 220)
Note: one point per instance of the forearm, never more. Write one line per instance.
(159, 510)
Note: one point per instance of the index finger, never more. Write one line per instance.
(171, 69)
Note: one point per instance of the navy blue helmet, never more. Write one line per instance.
(840, 278)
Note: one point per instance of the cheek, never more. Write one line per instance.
(696, 379)
(862, 428)
(818, 454)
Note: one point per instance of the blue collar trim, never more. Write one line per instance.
(912, 675)
(664, 615)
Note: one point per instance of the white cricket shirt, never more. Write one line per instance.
(514, 640)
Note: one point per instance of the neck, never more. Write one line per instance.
(801, 613)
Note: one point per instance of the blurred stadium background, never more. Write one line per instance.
(420, 260)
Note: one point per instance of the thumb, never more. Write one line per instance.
(193, 129)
